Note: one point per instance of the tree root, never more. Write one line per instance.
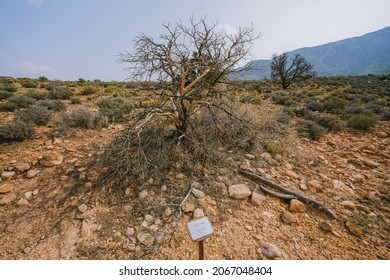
(291, 194)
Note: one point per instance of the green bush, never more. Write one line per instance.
(5, 94)
(114, 108)
(8, 107)
(315, 106)
(75, 100)
(16, 130)
(27, 83)
(21, 100)
(326, 121)
(36, 95)
(60, 92)
(52, 105)
(10, 88)
(361, 122)
(386, 114)
(43, 79)
(310, 129)
(36, 114)
(101, 121)
(79, 117)
(88, 90)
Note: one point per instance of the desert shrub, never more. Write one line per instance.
(310, 129)
(21, 100)
(386, 114)
(43, 79)
(114, 108)
(80, 118)
(36, 114)
(101, 121)
(81, 81)
(16, 130)
(354, 109)
(60, 92)
(374, 108)
(361, 122)
(75, 100)
(335, 104)
(8, 107)
(10, 88)
(53, 105)
(27, 83)
(5, 94)
(88, 90)
(315, 106)
(36, 94)
(282, 98)
(329, 122)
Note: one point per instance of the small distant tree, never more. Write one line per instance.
(285, 72)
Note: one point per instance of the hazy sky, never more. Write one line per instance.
(71, 39)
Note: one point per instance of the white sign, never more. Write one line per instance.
(200, 228)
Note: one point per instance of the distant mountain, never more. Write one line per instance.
(367, 54)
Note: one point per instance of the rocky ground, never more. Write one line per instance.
(49, 208)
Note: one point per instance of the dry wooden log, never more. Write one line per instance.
(278, 195)
(298, 195)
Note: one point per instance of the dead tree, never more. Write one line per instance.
(286, 73)
(189, 61)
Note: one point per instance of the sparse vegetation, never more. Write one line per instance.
(16, 131)
(310, 129)
(114, 108)
(88, 90)
(36, 114)
(361, 122)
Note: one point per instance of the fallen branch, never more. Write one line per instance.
(299, 196)
(278, 195)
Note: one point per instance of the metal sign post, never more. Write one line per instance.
(199, 230)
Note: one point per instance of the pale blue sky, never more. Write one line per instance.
(71, 39)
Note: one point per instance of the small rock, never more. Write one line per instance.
(353, 229)
(249, 156)
(167, 212)
(32, 173)
(51, 159)
(257, 199)
(7, 199)
(326, 226)
(370, 163)
(267, 215)
(130, 232)
(6, 188)
(198, 193)
(348, 204)
(83, 208)
(196, 185)
(269, 250)
(347, 212)
(297, 206)
(382, 134)
(35, 192)
(303, 187)
(248, 227)
(28, 195)
(292, 174)
(7, 175)
(288, 217)
(22, 201)
(198, 213)
(372, 195)
(145, 238)
(265, 156)
(22, 166)
(143, 194)
(287, 165)
(188, 207)
(88, 185)
(339, 185)
(149, 219)
(164, 188)
(57, 141)
(239, 191)
(180, 176)
(357, 178)
(315, 184)
(372, 216)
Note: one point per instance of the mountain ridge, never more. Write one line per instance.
(355, 56)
